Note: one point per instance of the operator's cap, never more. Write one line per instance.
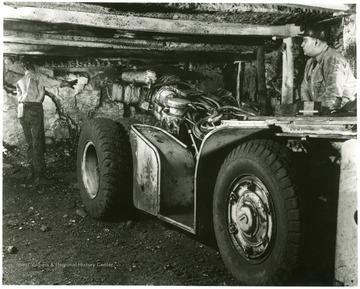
(317, 31)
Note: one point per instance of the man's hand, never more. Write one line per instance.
(9, 88)
(52, 95)
(72, 83)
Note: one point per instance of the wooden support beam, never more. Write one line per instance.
(145, 24)
(260, 64)
(287, 91)
(73, 51)
(113, 43)
(36, 27)
(331, 7)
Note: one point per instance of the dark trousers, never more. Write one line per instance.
(33, 127)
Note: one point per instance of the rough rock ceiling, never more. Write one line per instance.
(260, 14)
(153, 30)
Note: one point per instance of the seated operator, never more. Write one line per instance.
(327, 77)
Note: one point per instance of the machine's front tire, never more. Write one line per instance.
(257, 215)
(104, 169)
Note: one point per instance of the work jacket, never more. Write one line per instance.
(31, 87)
(329, 80)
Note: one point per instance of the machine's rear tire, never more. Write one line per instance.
(104, 169)
(257, 215)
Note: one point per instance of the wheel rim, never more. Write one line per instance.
(90, 170)
(251, 218)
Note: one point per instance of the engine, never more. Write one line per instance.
(169, 109)
(174, 103)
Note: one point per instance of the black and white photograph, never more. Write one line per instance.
(179, 143)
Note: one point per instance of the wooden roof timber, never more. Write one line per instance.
(329, 7)
(145, 24)
(44, 31)
(246, 13)
(18, 42)
(111, 43)
(51, 30)
(126, 52)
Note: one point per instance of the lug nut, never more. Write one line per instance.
(265, 241)
(232, 228)
(249, 251)
(233, 198)
(251, 187)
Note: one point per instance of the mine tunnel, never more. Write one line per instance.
(162, 98)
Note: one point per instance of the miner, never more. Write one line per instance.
(31, 90)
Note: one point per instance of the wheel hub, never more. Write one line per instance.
(246, 219)
(251, 221)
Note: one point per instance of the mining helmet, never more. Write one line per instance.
(317, 31)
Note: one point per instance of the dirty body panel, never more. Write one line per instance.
(163, 176)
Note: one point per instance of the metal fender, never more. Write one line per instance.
(228, 135)
(213, 150)
(163, 182)
(346, 234)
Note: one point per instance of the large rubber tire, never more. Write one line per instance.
(257, 215)
(104, 169)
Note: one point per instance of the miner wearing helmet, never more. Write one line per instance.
(327, 77)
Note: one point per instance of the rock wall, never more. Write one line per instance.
(64, 116)
(91, 98)
(12, 131)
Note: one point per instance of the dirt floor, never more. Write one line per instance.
(48, 239)
(56, 243)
